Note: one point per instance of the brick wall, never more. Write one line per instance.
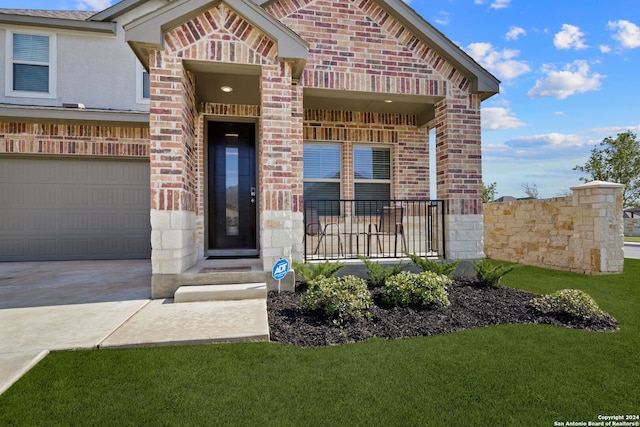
(580, 233)
(73, 140)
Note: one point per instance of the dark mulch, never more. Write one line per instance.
(472, 306)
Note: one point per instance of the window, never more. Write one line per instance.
(371, 177)
(143, 91)
(372, 173)
(30, 68)
(322, 173)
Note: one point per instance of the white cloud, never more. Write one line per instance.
(569, 38)
(500, 4)
(442, 18)
(605, 48)
(496, 4)
(96, 5)
(515, 32)
(496, 118)
(628, 33)
(614, 130)
(500, 63)
(552, 140)
(574, 78)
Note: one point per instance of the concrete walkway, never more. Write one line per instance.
(47, 306)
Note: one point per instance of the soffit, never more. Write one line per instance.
(51, 19)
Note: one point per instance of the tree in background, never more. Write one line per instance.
(530, 189)
(616, 160)
(489, 192)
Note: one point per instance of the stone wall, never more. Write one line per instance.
(581, 233)
(632, 227)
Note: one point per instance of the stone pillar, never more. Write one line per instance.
(173, 165)
(281, 165)
(598, 237)
(459, 175)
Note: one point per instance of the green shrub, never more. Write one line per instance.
(378, 274)
(308, 272)
(424, 289)
(343, 298)
(439, 266)
(573, 302)
(489, 273)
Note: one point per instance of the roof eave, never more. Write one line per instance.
(118, 9)
(72, 115)
(65, 24)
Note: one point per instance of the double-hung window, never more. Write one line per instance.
(322, 176)
(30, 65)
(372, 173)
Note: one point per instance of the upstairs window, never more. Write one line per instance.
(30, 68)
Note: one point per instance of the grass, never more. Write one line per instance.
(634, 239)
(511, 375)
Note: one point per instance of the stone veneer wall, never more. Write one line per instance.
(580, 233)
(632, 227)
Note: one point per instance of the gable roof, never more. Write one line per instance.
(149, 29)
(482, 80)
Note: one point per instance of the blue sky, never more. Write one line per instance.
(568, 70)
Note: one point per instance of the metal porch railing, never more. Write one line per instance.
(344, 229)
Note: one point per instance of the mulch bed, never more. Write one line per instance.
(472, 306)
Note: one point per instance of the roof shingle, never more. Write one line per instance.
(72, 15)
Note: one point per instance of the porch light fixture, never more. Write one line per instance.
(388, 101)
(226, 89)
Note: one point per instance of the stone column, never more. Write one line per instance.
(598, 237)
(459, 175)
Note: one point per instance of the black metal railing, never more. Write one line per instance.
(344, 229)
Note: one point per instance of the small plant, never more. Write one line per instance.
(343, 298)
(573, 302)
(423, 289)
(378, 274)
(489, 273)
(311, 271)
(439, 266)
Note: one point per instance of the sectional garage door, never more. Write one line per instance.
(73, 209)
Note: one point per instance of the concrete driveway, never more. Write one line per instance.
(48, 306)
(632, 250)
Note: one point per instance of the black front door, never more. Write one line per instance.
(232, 189)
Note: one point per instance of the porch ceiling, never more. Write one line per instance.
(422, 106)
(212, 76)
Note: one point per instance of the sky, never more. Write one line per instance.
(568, 72)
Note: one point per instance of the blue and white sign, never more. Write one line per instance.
(280, 269)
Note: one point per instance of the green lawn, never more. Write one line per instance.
(513, 375)
(632, 239)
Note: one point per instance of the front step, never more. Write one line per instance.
(235, 292)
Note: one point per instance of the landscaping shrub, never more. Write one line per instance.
(308, 272)
(439, 266)
(489, 273)
(573, 302)
(423, 289)
(343, 298)
(378, 274)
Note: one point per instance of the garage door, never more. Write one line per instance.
(59, 209)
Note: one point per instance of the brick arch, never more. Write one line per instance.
(377, 54)
(220, 34)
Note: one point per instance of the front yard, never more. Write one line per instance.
(513, 375)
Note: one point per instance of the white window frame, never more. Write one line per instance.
(9, 92)
(373, 181)
(140, 72)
